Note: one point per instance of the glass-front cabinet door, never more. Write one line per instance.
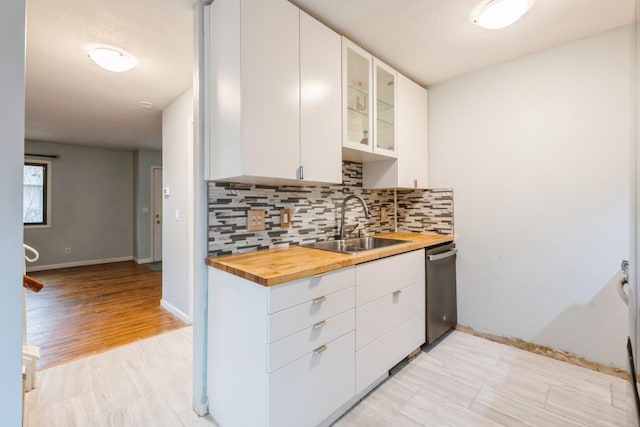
(385, 111)
(369, 103)
(357, 90)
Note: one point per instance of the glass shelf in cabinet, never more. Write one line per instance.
(358, 90)
(364, 113)
(383, 105)
(384, 124)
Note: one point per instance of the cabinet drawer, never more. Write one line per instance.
(305, 392)
(384, 314)
(378, 278)
(382, 354)
(290, 348)
(298, 291)
(294, 319)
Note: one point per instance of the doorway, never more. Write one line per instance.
(156, 207)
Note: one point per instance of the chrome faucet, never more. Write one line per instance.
(367, 214)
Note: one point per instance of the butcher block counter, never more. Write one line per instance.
(274, 266)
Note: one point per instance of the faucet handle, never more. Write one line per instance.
(352, 229)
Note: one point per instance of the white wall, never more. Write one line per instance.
(91, 206)
(177, 225)
(12, 29)
(536, 152)
(143, 160)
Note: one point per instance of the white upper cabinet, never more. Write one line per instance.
(275, 76)
(413, 135)
(320, 101)
(255, 123)
(410, 170)
(369, 105)
(357, 75)
(385, 111)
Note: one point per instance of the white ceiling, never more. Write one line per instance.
(434, 40)
(69, 99)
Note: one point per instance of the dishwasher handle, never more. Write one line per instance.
(443, 255)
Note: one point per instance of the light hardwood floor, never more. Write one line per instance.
(463, 381)
(86, 310)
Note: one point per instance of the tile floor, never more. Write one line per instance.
(463, 381)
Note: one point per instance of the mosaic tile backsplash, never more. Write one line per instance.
(315, 212)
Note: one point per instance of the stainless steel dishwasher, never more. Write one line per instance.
(442, 313)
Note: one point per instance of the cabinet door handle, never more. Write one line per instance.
(320, 299)
(319, 324)
(415, 182)
(320, 349)
(397, 293)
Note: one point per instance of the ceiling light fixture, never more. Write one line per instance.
(501, 13)
(112, 59)
(145, 104)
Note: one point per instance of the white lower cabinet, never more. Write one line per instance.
(384, 314)
(299, 353)
(384, 353)
(309, 389)
(282, 355)
(390, 313)
(296, 345)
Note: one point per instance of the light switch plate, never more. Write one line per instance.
(383, 213)
(285, 218)
(255, 220)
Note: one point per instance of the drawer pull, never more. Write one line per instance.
(319, 324)
(320, 299)
(397, 293)
(320, 349)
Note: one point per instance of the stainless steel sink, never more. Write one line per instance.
(353, 246)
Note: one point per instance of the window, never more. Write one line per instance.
(36, 203)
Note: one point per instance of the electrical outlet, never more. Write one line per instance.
(67, 251)
(383, 213)
(255, 220)
(285, 218)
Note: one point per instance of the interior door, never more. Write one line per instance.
(157, 214)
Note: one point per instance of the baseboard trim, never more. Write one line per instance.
(544, 350)
(175, 311)
(77, 263)
(143, 260)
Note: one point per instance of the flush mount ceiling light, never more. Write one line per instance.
(500, 13)
(112, 59)
(145, 104)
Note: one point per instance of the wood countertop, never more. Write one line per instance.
(274, 266)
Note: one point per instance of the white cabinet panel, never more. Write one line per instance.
(236, 364)
(384, 314)
(412, 135)
(271, 88)
(378, 278)
(225, 96)
(286, 322)
(313, 386)
(320, 101)
(292, 347)
(298, 291)
(381, 355)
